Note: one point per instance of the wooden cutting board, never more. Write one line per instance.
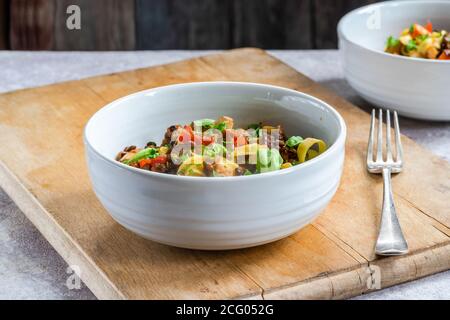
(43, 170)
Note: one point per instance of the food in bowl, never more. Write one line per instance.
(213, 213)
(214, 148)
(421, 42)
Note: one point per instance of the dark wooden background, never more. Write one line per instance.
(172, 24)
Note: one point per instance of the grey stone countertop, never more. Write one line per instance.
(31, 269)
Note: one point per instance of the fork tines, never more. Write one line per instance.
(380, 161)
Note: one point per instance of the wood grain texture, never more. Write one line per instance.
(328, 259)
(272, 24)
(326, 15)
(198, 24)
(4, 24)
(176, 24)
(31, 24)
(183, 24)
(105, 25)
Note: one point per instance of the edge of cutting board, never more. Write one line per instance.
(59, 239)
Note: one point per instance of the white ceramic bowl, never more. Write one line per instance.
(213, 212)
(417, 88)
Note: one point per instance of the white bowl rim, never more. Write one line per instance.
(389, 4)
(339, 140)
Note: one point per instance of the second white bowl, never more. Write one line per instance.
(417, 88)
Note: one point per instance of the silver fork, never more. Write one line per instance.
(390, 237)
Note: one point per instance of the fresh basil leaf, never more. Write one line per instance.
(263, 157)
(220, 126)
(204, 123)
(294, 141)
(268, 160)
(276, 160)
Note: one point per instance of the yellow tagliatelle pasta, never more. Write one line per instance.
(305, 149)
(286, 165)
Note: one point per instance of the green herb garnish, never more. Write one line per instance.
(422, 37)
(411, 28)
(220, 126)
(412, 45)
(147, 153)
(268, 160)
(263, 158)
(294, 141)
(204, 123)
(247, 172)
(392, 42)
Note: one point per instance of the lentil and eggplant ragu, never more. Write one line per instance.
(214, 148)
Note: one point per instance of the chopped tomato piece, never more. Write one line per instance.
(185, 136)
(418, 30)
(207, 140)
(239, 136)
(444, 55)
(190, 131)
(197, 139)
(159, 159)
(144, 162)
(240, 140)
(429, 26)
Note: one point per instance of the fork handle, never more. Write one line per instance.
(390, 238)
